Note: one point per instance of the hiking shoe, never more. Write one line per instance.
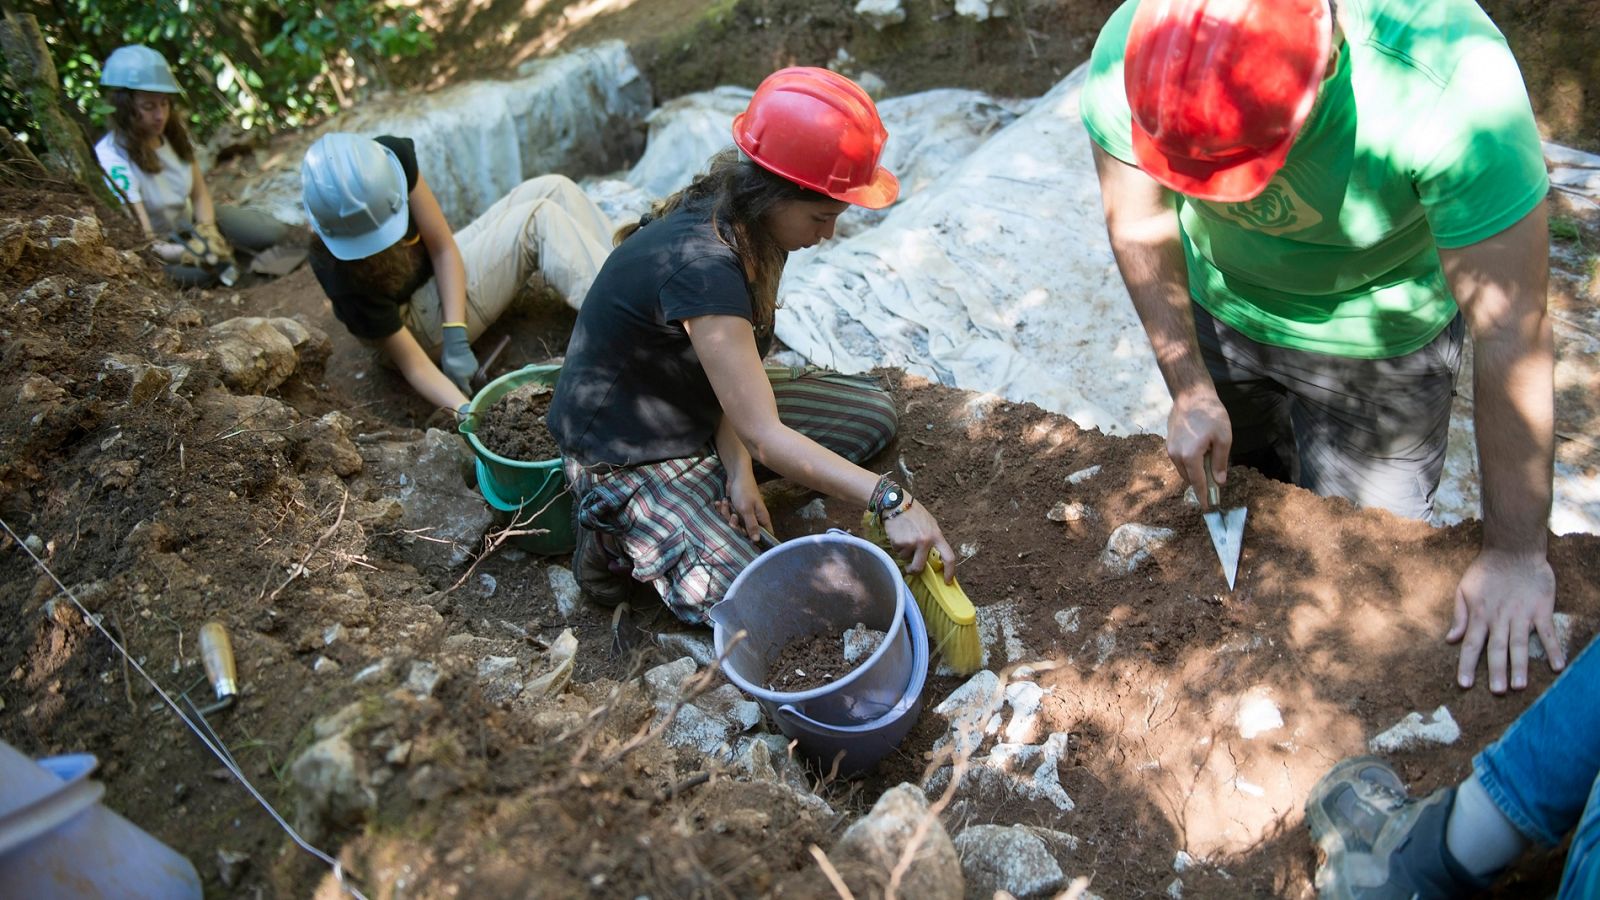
(602, 577)
(1375, 842)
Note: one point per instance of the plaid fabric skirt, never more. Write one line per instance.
(662, 516)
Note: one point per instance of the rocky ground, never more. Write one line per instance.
(436, 707)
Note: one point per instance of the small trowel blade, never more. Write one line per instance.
(1227, 532)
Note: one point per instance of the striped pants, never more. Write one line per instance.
(662, 516)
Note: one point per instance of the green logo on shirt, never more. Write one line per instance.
(1276, 210)
(119, 176)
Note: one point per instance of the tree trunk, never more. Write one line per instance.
(18, 166)
(66, 152)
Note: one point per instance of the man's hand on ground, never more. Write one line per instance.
(1503, 597)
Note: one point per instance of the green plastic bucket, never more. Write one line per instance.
(554, 523)
(513, 486)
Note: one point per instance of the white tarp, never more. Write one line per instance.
(929, 133)
(575, 114)
(997, 278)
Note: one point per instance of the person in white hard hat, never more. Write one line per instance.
(400, 280)
(148, 157)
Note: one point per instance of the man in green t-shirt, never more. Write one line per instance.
(1309, 215)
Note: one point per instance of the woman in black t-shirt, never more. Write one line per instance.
(398, 278)
(664, 410)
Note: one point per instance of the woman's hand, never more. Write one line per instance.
(744, 508)
(913, 533)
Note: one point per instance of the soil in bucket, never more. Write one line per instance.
(819, 659)
(513, 426)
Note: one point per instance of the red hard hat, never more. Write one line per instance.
(1220, 88)
(820, 130)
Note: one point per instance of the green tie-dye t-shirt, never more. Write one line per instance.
(1423, 138)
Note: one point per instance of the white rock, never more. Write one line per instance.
(1563, 623)
(1175, 889)
(664, 683)
(1058, 841)
(329, 785)
(1068, 619)
(500, 678)
(873, 84)
(704, 731)
(1131, 544)
(1257, 715)
(1024, 698)
(878, 839)
(815, 511)
(1075, 511)
(332, 634)
(1027, 770)
(881, 13)
(1182, 861)
(1438, 728)
(1105, 644)
(373, 672)
(981, 10)
(976, 700)
(971, 711)
(565, 588)
(1012, 859)
(860, 642)
(422, 678)
(1082, 475)
(697, 646)
(1000, 628)
(323, 666)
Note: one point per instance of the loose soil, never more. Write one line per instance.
(164, 500)
(514, 425)
(808, 662)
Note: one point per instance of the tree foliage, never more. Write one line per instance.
(258, 64)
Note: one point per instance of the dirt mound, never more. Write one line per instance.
(175, 463)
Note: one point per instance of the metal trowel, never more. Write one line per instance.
(1226, 527)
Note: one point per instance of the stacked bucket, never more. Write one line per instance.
(823, 585)
(531, 494)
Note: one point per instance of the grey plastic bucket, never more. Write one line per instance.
(863, 745)
(824, 584)
(56, 840)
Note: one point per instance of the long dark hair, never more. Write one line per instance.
(739, 195)
(123, 117)
(386, 273)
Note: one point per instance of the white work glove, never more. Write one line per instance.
(457, 361)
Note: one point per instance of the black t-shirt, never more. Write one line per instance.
(632, 389)
(366, 307)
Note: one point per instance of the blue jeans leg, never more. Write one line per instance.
(1581, 879)
(1541, 773)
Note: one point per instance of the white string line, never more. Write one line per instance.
(225, 758)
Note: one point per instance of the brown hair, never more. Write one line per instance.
(738, 195)
(387, 273)
(123, 117)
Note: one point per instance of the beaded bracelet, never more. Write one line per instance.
(888, 514)
(878, 490)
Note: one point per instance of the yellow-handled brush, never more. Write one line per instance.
(951, 619)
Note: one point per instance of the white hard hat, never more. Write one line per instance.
(354, 190)
(138, 68)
